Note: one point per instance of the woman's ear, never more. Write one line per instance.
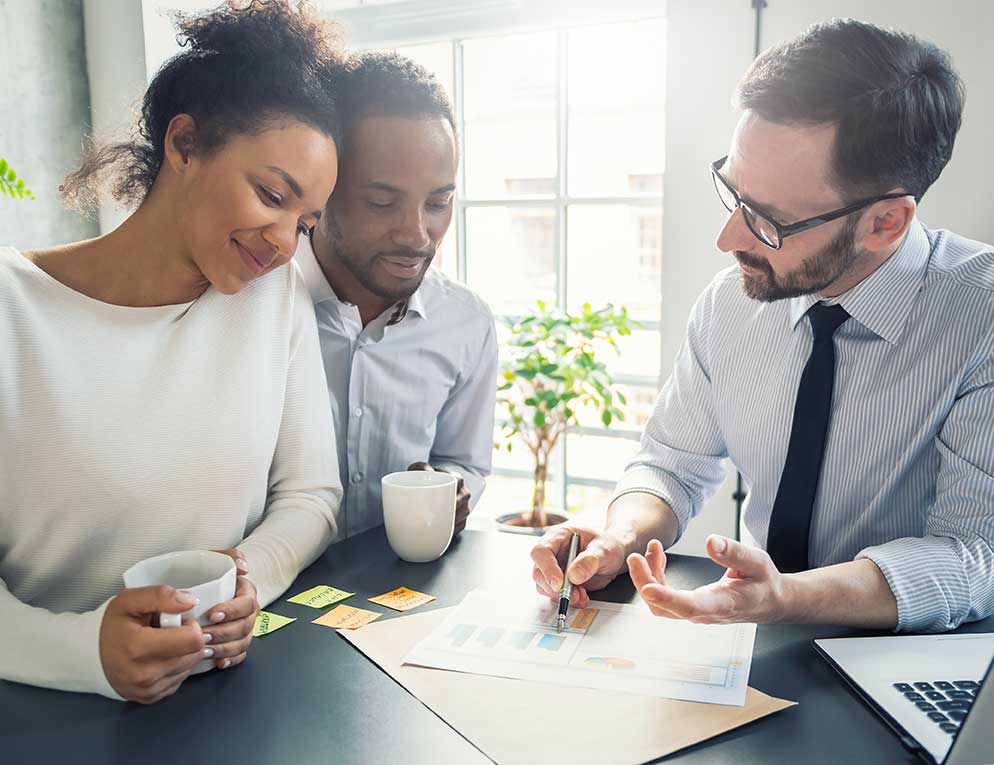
(180, 142)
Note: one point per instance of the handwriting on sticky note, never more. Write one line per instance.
(266, 622)
(346, 617)
(320, 596)
(402, 599)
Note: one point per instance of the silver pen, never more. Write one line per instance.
(567, 590)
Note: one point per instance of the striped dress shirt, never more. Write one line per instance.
(908, 473)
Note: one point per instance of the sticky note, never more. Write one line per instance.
(584, 619)
(346, 617)
(266, 622)
(402, 599)
(320, 596)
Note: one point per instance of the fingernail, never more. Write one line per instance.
(208, 652)
(186, 598)
(720, 545)
(218, 617)
(226, 663)
(208, 637)
(241, 565)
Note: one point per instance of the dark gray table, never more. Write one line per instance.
(305, 695)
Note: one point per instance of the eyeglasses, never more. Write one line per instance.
(762, 225)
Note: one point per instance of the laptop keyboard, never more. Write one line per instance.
(946, 702)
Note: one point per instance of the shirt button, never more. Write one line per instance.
(357, 478)
(357, 411)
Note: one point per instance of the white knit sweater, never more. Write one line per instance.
(131, 432)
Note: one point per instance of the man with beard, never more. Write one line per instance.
(410, 356)
(845, 365)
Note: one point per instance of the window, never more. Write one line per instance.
(560, 200)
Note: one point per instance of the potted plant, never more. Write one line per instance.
(11, 185)
(554, 370)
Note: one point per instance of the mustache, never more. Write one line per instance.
(409, 254)
(748, 260)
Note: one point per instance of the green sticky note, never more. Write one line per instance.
(266, 622)
(320, 596)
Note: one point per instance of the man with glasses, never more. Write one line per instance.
(845, 365)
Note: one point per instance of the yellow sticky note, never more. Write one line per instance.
(265, 622)
(402, 599)
(346, 617)
(320, 596)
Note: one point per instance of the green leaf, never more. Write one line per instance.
(3, 166)
(606, 416)
(539, 419)
(11, 175)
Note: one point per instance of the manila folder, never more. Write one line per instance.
(517, 721)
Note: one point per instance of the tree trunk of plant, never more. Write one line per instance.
(538, 495)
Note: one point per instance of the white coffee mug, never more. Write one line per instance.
(419, 512)
(205, 575)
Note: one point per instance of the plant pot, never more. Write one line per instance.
(517, 523)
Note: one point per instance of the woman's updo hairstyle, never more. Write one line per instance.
(244, 66)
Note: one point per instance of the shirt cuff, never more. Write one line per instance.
(651, 480)
(926, 577)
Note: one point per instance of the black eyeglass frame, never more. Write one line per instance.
(793, 228)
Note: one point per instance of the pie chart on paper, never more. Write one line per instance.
(609, 662)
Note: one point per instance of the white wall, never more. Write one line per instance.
(961, 199)
(710, 44)
(115, 62)
(43, 117)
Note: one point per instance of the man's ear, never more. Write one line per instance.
(180, 142)
(886, 223)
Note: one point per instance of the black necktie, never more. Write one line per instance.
(790, 522)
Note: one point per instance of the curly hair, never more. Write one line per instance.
(385, 84)
(245, 66)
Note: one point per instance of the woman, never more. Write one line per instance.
(162, 387)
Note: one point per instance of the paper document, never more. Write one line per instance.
(517, 722)
(606, 646)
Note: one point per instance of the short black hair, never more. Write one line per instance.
(386, 84)
(243, 66)
(896, 101)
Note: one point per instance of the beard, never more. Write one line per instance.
(814, 274)
(363, 269)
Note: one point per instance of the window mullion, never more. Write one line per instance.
(562, 145)
(458, 87)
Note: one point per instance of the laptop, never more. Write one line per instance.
(935, 691)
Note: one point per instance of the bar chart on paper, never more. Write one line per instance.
(607, 645)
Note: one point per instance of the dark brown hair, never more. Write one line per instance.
(243, 67)
(896, 100)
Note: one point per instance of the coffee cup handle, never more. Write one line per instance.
(170, 620)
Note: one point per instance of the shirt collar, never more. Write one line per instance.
(882, 302)
(321, 291)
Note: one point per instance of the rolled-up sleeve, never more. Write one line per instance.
(946, 577)
(681, 451)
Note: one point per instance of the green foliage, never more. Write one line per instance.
(555, 370)
(12, 186)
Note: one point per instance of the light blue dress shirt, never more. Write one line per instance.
(908, 474)
(421, 389)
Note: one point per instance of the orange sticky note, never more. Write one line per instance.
(346, 618)
(584, 619)
(402, 599)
